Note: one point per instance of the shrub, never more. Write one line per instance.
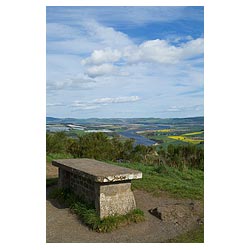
(100, 147)
(56, 142)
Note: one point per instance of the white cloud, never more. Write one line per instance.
(173, 109)
(60, 31)
(101, 102)
(71, 83)
(164, 72)
(121, 99)
(106, 36)
(100, 70)
(54, 104)
(103, 56)
(84, 106)
(185, 108)
(109, 51)
(192, 48)
(151, 51)
(92, 36)
(158, 51)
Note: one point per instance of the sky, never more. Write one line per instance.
(124, 62)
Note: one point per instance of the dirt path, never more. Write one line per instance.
(63, 226)
(51, 172)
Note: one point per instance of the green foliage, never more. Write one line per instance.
(93, 145)
(56, 142)
(182, 156)
(87, 213)
(63, 196)
(100, 147)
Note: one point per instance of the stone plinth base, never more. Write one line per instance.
(114, 199)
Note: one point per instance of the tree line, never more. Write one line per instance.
(101, 147)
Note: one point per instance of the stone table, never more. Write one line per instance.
(106, 186)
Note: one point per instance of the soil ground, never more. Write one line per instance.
(63, 226)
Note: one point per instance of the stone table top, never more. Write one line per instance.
(96, 170)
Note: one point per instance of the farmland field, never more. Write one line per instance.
(150, 131)
(186, 139)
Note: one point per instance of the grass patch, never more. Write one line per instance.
(186, 183)
(193, 236)
(54, 156)
(88, 215)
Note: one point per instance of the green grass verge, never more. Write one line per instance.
(193, 236)
(186, 183)
(54, 156)
(87, 214)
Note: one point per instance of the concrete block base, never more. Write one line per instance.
(112, 199)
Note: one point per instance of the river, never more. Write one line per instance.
(139, 139)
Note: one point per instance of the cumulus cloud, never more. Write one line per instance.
(107, 51)
(152, 51)
(192, 48)
(103, 56)
(156, 51)
(100, 70)
(109, 59)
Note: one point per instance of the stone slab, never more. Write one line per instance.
(97, 171)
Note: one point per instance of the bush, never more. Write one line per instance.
(183, 156)
(100, 147)
(56, 142)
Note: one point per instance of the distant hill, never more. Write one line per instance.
(52, 119)
(189, 120)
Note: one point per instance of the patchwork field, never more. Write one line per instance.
(161, 132)
(183, 138)
(175, 136)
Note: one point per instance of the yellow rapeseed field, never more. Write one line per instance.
(185, 139)
(164, 130)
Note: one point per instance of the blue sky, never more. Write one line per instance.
(125, 62)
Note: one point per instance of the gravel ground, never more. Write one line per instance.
(63, 226)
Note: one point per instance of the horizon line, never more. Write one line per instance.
(125, 117)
